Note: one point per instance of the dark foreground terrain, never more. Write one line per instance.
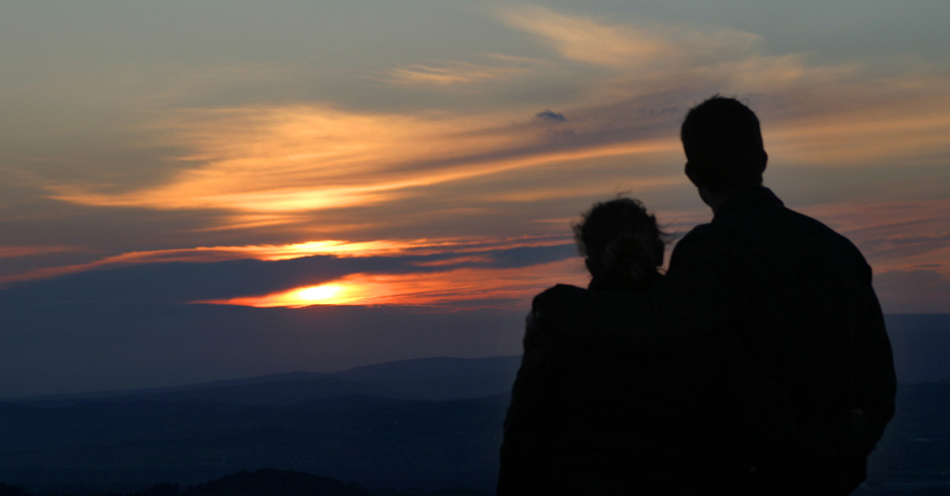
(152, 448)
(387, 426)
(266, 482)
(430, 426)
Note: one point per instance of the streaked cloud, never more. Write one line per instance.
(648, 47)
(460, 73)
(393, 278)
(505, 288)
(589, 41)
(317, 170)
(262, 162)
(334, 248)
(410, 170)
(827, 113)
(894, 126)
(27, 251)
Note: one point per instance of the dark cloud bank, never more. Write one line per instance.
(133, 326)
(184, 282)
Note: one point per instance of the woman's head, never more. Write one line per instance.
(620, 239)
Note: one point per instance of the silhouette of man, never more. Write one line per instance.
(797, 300)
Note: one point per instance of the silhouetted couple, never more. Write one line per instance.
(758, 364)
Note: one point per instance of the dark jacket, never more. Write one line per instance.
(588, 420)
(799, 298)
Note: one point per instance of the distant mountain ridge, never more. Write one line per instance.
(429, 423)
(426, 424)
(429, 379)
(921, 344)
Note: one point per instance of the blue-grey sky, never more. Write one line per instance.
(411, 146)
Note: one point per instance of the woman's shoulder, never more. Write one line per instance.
(563, 311)
(557, 293)
(552, 304)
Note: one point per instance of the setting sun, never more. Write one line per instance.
(319, 294)
(324, 294)
(514, 286)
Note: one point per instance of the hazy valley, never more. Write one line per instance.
(427, 424)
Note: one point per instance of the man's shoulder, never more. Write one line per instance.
(822, 232)
(773, 222)
(700, 231)
(779, 242)
(807, 220)
(703, 244)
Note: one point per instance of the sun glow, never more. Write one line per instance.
(323, 294)
(320, 294)
(514, 286)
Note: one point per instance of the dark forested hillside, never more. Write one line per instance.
(265, 482)
(424, 425)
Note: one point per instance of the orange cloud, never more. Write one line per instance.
(27, 251)
(291, 159)
(912, 129)
(456, 73)
(645, 46)
(587, 40)
(266, 163)
(297, 166)
(832, 114)
(266, 166)
(440, 288)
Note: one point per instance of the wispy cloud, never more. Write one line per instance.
(264, 165)
(813, 113)
(588, 40)
(455, 73)
(268, 161)
(322, 167)
(28, 251)
(887, 126)
(292, 159)
(646, 46)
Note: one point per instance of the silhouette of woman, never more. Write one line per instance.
(595, 421)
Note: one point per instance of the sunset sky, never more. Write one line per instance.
(215, 155)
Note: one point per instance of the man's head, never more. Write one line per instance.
(723, 145)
